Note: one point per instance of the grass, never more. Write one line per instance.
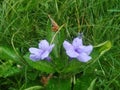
(24, 22)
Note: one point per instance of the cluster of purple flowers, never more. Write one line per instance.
(42, 52)
(75, 50)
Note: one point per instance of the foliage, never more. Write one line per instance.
(24, 22)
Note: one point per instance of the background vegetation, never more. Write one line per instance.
(24, 22)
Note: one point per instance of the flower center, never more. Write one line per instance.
(78, 50)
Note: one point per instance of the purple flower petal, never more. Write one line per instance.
(87, 49)
(71, 53)
(44, 55)
(42, 52)
(48, 59)
(51, 47)
(83, 57)
(67, 45)
(78, 50)
(43, 45)
(77, 42)
(35, 54)
(35, 57)
(34, 50)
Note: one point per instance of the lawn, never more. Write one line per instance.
(27, 23)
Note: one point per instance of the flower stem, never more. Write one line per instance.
(56, 33)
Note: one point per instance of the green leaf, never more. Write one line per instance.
(7, 69)
(42, 65)
(4, 67)
(91, 87)
(59, 84)
(113, 10)
(83, 82)
(103, 47)
(34, 88)
(7, 53)
(11, 71)
(72, 66)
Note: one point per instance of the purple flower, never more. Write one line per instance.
(42, 52)
(78, 50)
